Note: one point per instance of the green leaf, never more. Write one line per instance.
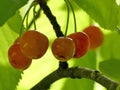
(111, 68)
(105, 12)
(16, 22)
(111, 46)
(9, 77)
(88, 61)
(8, 9)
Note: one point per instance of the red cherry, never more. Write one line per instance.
(33, 44)
(17, 41)
(63, 48)
(96, 36)
(17, 59)
(81, 43)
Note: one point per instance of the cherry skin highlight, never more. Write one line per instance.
(82, 43)
(63, 48)
(33, 44)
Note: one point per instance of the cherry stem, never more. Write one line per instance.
(25, 16)
(34, 15)
(27, 19)
(74, 17)
(68, 14)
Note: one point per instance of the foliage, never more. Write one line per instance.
(8, 9)
(9, 76)
(110, 54)
(105, 12)
(102, 11)
(107, 68)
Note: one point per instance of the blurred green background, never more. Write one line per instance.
(106, 58)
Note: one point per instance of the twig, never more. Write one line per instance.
(76, 72)
(54, 23)
(50, 16)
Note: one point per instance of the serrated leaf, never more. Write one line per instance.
(8, 9)
(111, 68)
(105, 12)
(9, 77)
(111, 46)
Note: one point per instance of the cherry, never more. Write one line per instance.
(17, 40)
(17, 59)
(81, 43)
(33, 44)
(96, 36)
(63, 48)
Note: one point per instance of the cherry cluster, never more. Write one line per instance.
(33, 45)
(77, 44)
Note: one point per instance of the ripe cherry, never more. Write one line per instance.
(63, 48)
(96, 36)
(33, 44)
(17, 40)
(17, 59)
(81, 43)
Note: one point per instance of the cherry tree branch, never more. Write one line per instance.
(76, 72)
(50, 16)
(53, 21)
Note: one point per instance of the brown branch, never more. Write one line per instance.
(64, 71)
(52, 19)
(76, 72)
(50, 16)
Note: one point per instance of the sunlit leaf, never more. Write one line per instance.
(111, 46)
(9, 76)
(105, 12)
(111, 68)
(8, 8)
